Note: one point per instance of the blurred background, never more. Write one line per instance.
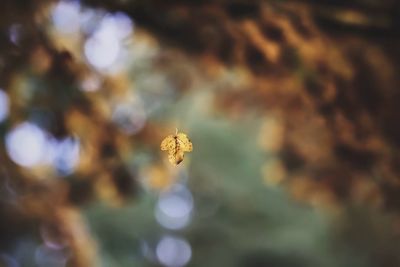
(292, 107)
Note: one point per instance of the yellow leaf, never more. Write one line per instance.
(176, 145)
(168, 143)
(184, 142)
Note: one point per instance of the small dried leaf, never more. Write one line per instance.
(176, 145)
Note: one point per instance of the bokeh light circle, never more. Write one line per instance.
(26, 145)
(174, 208)
(173, 251)
(101, 51)
(65, 16)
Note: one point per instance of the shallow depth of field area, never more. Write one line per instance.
(292, 109)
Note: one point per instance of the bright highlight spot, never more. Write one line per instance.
(173, 251)
(26, 145)
(4, 105)
(103, 48)
(91, 83)
(65, 16)
(119, 23)
(174, 208)
(29, 146)
(65, 155)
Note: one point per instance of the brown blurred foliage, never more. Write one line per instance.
(328, 70)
